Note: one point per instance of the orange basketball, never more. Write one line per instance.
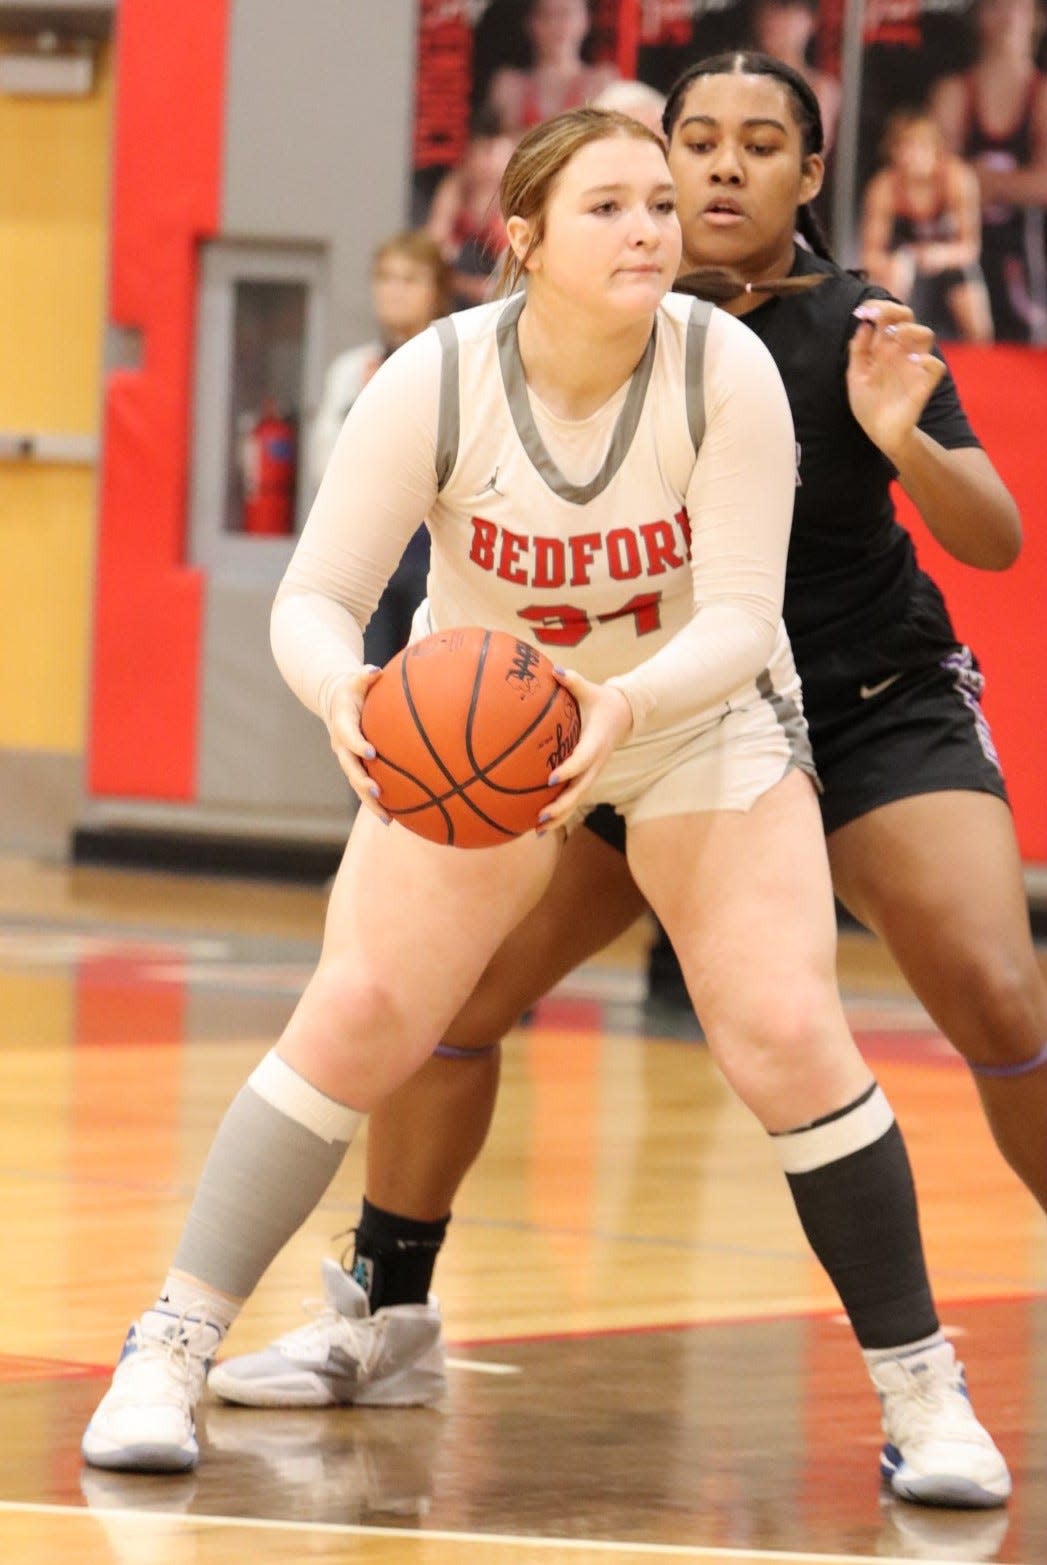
(469, 725)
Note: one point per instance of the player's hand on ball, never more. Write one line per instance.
(607, 720)
(348, 743)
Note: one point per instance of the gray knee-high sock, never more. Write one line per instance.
(276, 1151)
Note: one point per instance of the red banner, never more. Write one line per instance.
(445, 57)
(893, 22)
(665, 23)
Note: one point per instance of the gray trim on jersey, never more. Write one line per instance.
(694, 379)
(792, 723)
(449, 422)
(520, 409)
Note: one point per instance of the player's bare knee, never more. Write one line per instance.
(362, 1004)
(770, 1041)
(485, 1017)
(1004, 1006)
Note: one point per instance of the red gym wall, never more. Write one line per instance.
(1003, 616)
(171, 64)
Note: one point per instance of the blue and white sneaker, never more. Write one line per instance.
(936, 1453)
(345, 1356)
(144, 1423)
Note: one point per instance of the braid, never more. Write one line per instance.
(718, 284)
(810, 229)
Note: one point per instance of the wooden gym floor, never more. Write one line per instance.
(646, 1363)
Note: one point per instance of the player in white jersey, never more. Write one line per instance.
(578, 428)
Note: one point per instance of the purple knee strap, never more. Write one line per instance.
(1021, 1068)
(448, 1051)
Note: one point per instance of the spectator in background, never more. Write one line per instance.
(921, 229)
(636, 99)
(559, 77)
(995, 116)
(785, 29)
(464, 217)
(410, 288)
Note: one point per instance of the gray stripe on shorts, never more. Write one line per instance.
(792, 723)
(449, 422)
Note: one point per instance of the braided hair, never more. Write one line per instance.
(718, 283)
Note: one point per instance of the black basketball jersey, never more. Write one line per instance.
(851, 564)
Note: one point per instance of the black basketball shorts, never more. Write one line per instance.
(892, 714)
(897, 712)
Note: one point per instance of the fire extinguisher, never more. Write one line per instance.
(268, 464)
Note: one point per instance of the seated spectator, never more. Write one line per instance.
(921, 230)
(410, 288)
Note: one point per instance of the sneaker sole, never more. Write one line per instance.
(944, 1489)
(313, 1393)
(958, 1493)
(141, 1459)
(273, 1393)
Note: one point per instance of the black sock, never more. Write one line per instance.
(394, 1257)
(859, 1214)
(850, 1179)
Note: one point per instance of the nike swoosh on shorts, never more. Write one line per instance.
(868, 691)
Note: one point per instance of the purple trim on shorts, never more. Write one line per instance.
(1022, 1068)
(448, 1051)
(969, 684)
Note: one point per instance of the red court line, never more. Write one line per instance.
(569, 1335)
(14, 1369)
(56, 1370)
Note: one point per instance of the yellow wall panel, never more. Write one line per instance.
(47, 535)
(54, 218)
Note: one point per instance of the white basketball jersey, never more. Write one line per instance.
(595, 571)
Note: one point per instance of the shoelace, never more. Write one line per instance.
(362, 1338)
(916, 1409)
(183, 1342)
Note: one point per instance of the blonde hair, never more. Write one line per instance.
(415, 244)
(538, 160)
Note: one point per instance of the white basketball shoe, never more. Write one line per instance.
(345, 1356)
(936, 1453)
(145, 1422)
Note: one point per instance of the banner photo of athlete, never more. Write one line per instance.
(487, 70)
(952, 164)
